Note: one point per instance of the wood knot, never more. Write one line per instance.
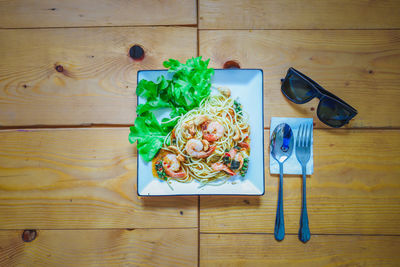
(231, 64)
(136, 52)
(59, 68)
(29, 235)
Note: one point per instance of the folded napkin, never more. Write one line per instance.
(291, 165)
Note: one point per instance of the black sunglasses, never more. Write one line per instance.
(331, 110)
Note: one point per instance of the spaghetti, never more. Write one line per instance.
(208, 144)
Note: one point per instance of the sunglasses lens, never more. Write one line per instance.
(333, 113)
(297, 89)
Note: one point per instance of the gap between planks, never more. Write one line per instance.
(96, 229)
(315, 234)
(299, 29)
(198, 198)
(100, 125)
(202, 29)
(105, 26)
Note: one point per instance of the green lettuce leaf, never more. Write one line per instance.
(191, 81)
(149, 134)
(152, 105)
(190, 84)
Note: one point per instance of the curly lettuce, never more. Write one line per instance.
(190, 84)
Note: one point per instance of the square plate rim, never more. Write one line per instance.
(263, 141)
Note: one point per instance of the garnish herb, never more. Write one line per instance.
(160, 171)
(237, 106)
(226, 159)
(243, 170)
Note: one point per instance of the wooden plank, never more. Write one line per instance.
(79, 178)
(140, 247)
(361, 67)
(98, 79)
(354, 190)
(50, 13)
(295, 14)
(322, 250)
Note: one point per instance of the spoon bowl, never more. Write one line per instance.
(282, 143)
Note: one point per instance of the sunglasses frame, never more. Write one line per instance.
(320, 93)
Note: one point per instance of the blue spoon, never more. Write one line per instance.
(281, 148)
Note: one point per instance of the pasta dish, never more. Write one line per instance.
(209, 144)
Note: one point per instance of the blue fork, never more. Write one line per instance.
(303, 152)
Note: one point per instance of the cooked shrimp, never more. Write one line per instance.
(172, 166)
(189, 127)
(218, 166)
(206, 145)
(200, 120)
(244, 145)
(232, 152)
(213, 131)
(174, 149)
(238, 158)
(180, 158)
(225, 91)
(194, 148)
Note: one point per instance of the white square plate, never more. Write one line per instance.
(245, 84)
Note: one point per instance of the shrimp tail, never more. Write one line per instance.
(170, 173)
(229, 171)
(222, 167)
(208, 153)
(210, 137)
(244, 145)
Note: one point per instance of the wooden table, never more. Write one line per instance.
(68, 173)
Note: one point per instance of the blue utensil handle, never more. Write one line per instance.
(279, 221)
(304, 231)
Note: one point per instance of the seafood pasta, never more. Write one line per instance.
(208, 144)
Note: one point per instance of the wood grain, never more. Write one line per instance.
(140, 247)
(354, 190)
(322, 250)
(361, 67)
(295, 14)
(79, 178)
(73, 13)
(98, 81)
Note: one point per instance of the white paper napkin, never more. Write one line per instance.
(291, 165)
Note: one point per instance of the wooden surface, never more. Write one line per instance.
(361, 67)
(298, 14)
(263, 250)
(354, 190)
(98, 81)
(75, 13)
(139, 247)
(79, 178)
(68, 171)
